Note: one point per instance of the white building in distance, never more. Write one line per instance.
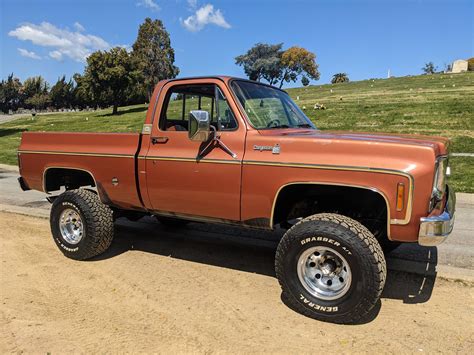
(459, 66)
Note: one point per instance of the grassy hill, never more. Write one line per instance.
(440, 104)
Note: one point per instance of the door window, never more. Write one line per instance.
(182, 99)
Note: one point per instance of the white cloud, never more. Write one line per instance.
(203, 16)
(79, 27)
(192, 4)
(75, 45)
(28, 54)
(56, 55)
(150, 4)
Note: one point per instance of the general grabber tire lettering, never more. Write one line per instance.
(330, 268)
(82, 226)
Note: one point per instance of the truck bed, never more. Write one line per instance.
(106, 156)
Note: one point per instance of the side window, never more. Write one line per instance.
(185, 98)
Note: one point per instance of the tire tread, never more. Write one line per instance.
(378, 263)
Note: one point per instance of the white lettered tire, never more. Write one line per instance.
(330, 268)
(82, 226)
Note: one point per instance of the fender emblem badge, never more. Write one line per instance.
(274, 149)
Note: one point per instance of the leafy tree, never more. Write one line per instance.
(429, 68)
(298, 61)
(110, 75)
(39, 101)
(34, 86)
(81, 93)
(62, 93)
(304, 81)
(154, 53)
(10, 94)
(35, 93)
(340, 78)
(262, 61)
(470, 64)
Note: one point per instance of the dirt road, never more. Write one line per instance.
(159, 291)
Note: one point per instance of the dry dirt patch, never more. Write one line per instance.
(158, 291)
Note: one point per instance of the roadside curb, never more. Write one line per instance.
(7, 167)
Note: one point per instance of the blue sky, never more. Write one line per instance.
(362, 38)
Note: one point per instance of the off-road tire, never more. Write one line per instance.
(361, 251)
(97, 220)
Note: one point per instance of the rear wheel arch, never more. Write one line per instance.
(299, 195)
(55, 177)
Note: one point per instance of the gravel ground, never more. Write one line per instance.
(166, 291)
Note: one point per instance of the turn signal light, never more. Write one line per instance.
(400, 196)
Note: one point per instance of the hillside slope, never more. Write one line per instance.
(440, 104)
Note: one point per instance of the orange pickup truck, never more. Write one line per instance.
(227, 150)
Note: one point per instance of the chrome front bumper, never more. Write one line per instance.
(434, 229)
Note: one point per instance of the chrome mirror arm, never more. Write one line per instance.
(216, 139)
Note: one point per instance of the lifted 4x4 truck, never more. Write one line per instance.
(227, 150)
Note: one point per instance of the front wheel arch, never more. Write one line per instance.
(293, 193)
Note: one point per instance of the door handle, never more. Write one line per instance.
(159, 140)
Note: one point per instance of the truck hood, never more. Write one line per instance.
(439, 145)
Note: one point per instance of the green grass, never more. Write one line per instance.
(440, 104)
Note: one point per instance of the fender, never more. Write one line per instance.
(333, 184)
(99, 192)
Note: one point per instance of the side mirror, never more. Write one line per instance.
(199, 126)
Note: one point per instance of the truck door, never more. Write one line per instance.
(181, 178)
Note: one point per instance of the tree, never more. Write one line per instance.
(339, 78)
(62, 93)
(298, 61)
(262, 61)
(109, 76)
(429, 68)
(39, 101)
(304, 81)
(35, 93)
(10, 94)
(154, 54)
(470, 64)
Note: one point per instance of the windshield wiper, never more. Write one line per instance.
(305, 125)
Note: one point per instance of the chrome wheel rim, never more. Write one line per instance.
(324, 273)
(70, 226)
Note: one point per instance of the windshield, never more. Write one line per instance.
(267, 107)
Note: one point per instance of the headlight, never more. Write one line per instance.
(439, 183)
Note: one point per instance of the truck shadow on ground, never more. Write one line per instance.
(253, 251)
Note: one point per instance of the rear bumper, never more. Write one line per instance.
(23, 185)
(434, 229)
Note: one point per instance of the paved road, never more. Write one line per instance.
(457, 251)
